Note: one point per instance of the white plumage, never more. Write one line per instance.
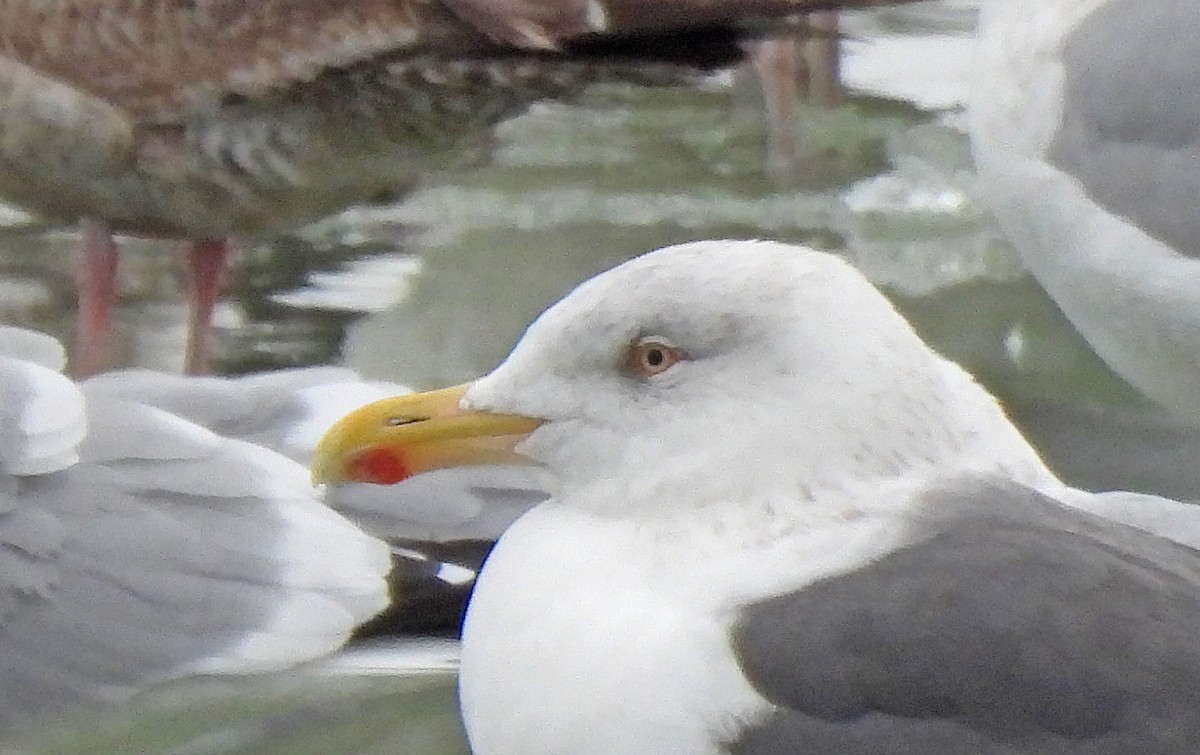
(1084, 120)
(137, 546)
(805, 441)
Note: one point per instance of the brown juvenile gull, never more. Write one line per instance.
(212, 119)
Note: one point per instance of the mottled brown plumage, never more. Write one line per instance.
(206, 119)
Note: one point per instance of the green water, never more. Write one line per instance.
(283, 714)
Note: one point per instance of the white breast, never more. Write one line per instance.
(587, 635)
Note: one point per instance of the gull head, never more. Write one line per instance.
(705, 372)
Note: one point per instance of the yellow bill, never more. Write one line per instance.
(393, 439)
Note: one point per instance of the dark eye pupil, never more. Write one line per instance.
(655, 357)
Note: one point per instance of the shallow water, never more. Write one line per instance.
(438, 288)
(409, 706)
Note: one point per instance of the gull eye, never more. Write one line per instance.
(652, 356)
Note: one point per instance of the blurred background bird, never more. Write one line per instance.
(137, 547)
(154, 526)
(217, 119)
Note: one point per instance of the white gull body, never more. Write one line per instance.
(136, 547)
(1085, 125)
(807, 447)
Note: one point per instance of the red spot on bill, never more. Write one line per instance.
(381, 466)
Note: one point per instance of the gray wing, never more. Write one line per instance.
(1012, 625)
(440, 525)
(263, 408)
(42, 421)
(169, 550)
(1131, 115)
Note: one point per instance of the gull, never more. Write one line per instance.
(137, 547)
(440, 526)
(1084, 131)
(782, 523)
(214, 119)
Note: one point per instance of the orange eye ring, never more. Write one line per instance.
(651, 356)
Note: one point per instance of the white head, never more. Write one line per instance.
(791, 369)
(719, 371)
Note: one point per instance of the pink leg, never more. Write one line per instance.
(206, 262)
(825, 59)
(779, 65)
(96, 281)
